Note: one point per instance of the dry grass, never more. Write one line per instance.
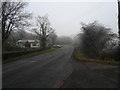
(79, 56)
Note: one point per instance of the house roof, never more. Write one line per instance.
(31, 41)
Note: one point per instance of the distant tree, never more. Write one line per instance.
(15, 36)
(13, 18)
(52, 37)
(43, 30)
(64, 40)
(95, 39)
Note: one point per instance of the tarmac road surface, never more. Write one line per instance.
(48, 71)
(39, 71)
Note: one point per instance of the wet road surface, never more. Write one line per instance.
(39, 71)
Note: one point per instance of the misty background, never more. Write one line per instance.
(66, 17)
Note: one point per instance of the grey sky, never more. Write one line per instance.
(65, 17)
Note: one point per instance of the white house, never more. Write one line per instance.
(28, 43)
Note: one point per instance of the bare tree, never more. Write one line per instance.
(52, 37)
(15, 36)
(43, 30)
(13, 18)
(95, 39)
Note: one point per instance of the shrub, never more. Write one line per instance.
(97, 41)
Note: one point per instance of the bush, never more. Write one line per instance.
(97, 41)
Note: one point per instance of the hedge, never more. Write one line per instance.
(6, 56)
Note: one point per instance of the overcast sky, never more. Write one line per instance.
(65, 17)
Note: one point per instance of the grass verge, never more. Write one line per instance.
(28, 55)
(79, 56)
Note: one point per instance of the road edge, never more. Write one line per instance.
(68, 69)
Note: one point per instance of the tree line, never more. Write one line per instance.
(15, 21)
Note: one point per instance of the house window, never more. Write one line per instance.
(34, 44)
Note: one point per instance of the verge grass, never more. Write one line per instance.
(28, 55)
(79, 56)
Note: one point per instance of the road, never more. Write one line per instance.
(92, 75)
(39, 71)
(58, 69)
